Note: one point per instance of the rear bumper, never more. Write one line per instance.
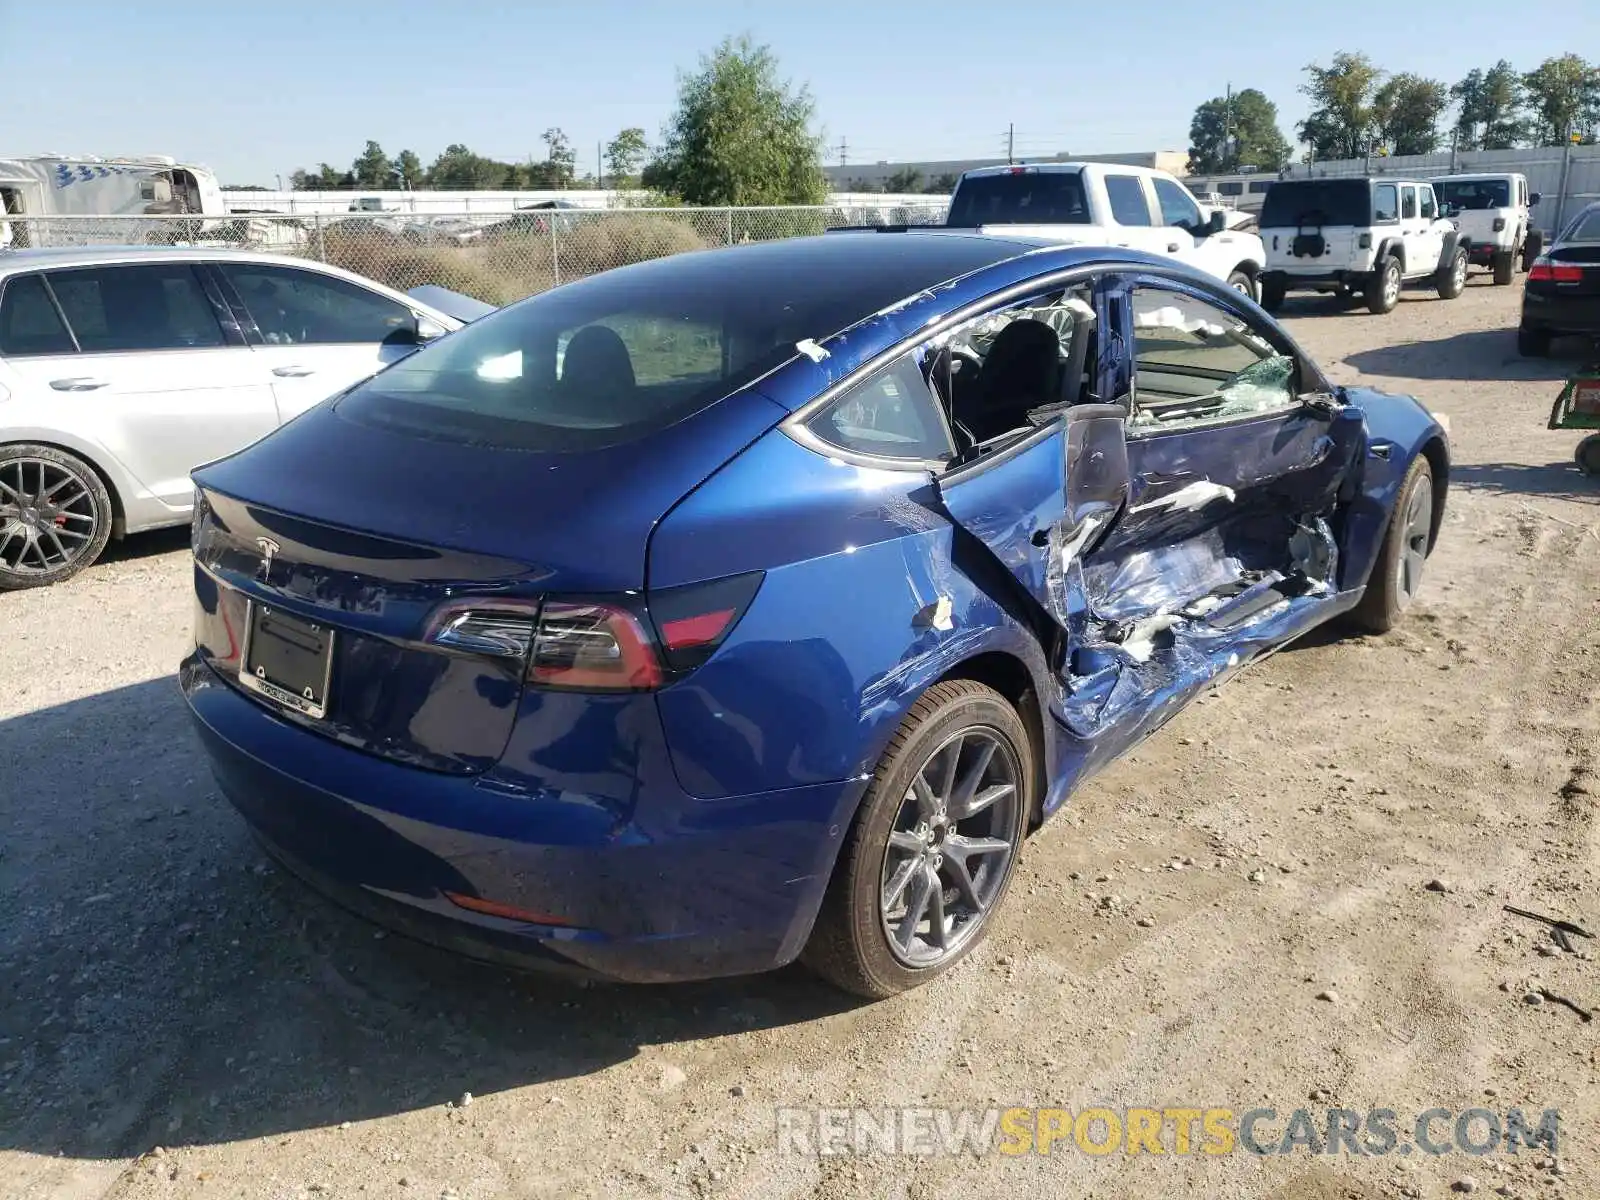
(1560, 314)
(1318, 280)
(676, 889)
(1483, 254)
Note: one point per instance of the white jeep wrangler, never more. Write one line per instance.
(1361, 237)
(1492, 214)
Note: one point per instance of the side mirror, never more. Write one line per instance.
(428, 329)
(1217, 223)
(1533, 200)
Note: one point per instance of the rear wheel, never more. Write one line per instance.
(1383, 288)
(931, 852)
(1451, 280)
(1532, 248)
(55, 516)
(1505, 262)
(1273, 291)
(1588, 455)
(1533, 343)
(1397, 574)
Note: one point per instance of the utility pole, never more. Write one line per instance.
(843, 152)
(1230, 155)
(599, 167)
(1011, 143)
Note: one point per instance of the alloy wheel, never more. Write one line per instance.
(950, 847)
(1391, 285)
(47, 516)
(1414, 550)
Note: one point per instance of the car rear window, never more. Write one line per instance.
(1586, 228)
(1020, 198)
(1317, 202)
(1475, 195)
(620, 355)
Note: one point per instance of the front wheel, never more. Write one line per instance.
(1505, 262)
(931, 852)
(1240, 281)
(1397, 574)
(1451, 280)
(1383, 289)
(1531, 249)
(55, 516)
(1587, 456)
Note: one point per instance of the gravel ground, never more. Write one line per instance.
(176, 1020)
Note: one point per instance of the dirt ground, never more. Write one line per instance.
(177, 1021)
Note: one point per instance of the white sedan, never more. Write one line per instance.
(122, 369)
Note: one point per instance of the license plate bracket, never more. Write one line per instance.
(288, 660)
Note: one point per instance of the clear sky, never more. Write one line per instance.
(255, 90)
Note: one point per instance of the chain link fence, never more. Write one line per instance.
(496, 258)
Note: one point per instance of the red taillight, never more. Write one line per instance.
(694, 619)
(592, 647)
(508, 912)
(1545, 271)
(695, 631)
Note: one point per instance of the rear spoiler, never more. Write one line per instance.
(452, 304)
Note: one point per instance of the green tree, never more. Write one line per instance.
(372, 168)
(561, 159)
(1341, 124)
(408, 167)
(328, 178)
(1490, 104)
(458, 168)
(740, 135)
(300, 180)
(906, 179)
(1225, 135)
(1406, 111)
(943, 184)
(624, 154)
(1564, 100)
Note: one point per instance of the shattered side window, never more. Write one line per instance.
(1195, 362)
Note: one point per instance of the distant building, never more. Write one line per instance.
(870, 177)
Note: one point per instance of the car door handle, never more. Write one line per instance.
(1172, 247)
(294, 372)
(80, 383)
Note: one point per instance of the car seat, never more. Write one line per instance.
(597, 373)
(1021, 372)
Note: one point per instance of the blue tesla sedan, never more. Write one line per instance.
(754, 604)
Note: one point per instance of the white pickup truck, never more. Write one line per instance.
(1102, 204)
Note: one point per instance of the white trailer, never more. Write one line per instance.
(51, 185)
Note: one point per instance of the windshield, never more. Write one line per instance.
(1296, 202)
(1021, 198)
(1469, 195)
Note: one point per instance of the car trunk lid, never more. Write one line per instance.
(346, 539)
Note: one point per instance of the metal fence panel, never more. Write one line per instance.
(496, 257)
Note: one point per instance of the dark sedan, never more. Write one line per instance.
(1563, 291)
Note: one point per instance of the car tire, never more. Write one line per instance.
(1383, 287)
(1451, 279)
(1505, 262)
(55, 516)
(1407, 542)
(850, 945)
(1240, 281)
(1531, 249)
(1533, 343)
(1587, 456)
(1273, 292)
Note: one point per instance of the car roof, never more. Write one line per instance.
(1477, 176)
(50, 257)
(1062, 168)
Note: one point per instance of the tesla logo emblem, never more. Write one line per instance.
(268, 548)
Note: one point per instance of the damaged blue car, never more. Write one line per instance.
(754, 604)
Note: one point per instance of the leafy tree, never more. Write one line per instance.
(624, 154)
(372, 168)
(1564, 99)
(1224, 135)
(300, 180)
(1341, 124)
(1406, 110)
(561, 160)
(408, 167)
(907, 179)
(942, 185)
(459, 168)
(740, 135)
(1490, 108)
